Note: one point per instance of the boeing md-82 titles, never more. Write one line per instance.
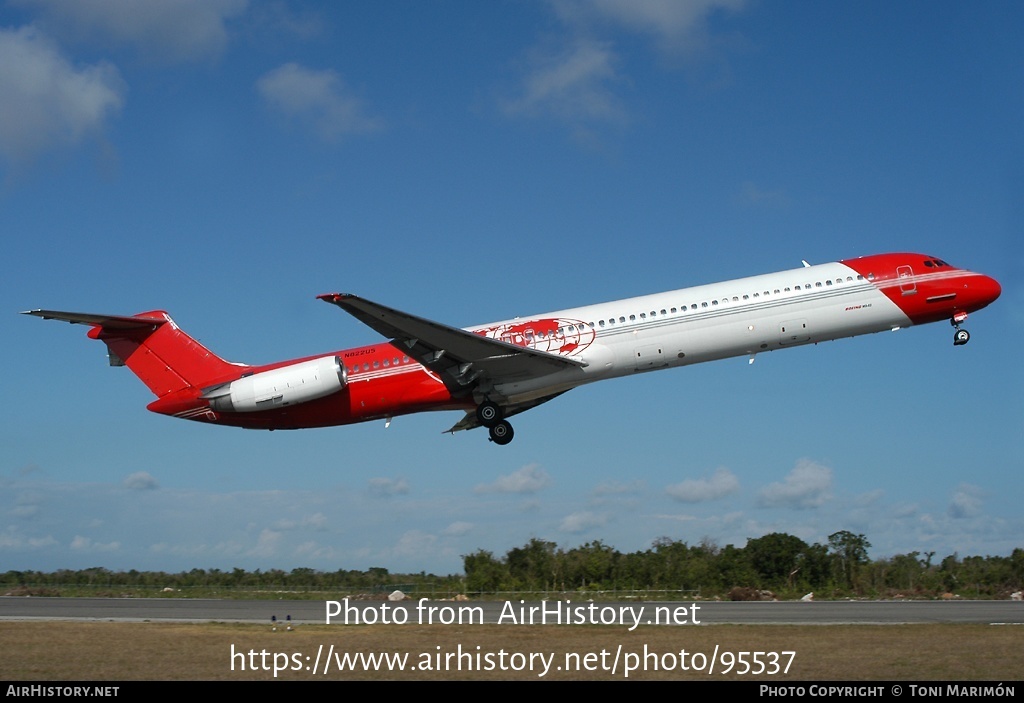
(494, 371)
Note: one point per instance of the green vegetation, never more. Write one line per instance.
(302, 583)
(780, 563)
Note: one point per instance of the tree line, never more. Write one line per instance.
(781, 563)
(777, 562)
(303, 580)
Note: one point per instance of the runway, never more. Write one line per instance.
(512, 612)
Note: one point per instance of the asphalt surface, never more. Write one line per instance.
(512, 612)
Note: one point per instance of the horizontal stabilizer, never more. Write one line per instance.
(110, 322)
(163, 357)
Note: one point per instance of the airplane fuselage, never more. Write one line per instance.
(742, 317)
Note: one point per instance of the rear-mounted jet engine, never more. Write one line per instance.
(288, 385)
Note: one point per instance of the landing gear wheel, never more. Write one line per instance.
(961, 337)
(502, 432)
(488, 413)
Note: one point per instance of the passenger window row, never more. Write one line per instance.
(378, 363)
(727, 300)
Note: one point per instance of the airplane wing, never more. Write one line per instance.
(461, 358)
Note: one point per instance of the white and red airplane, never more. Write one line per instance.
(497, 370)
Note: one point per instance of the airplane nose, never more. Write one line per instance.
(991, 289)
(985, 290)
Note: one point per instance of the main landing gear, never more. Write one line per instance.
(491, 416)
(960, 337)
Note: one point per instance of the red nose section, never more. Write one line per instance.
(925, 288)
(983, 291)
(946, 297)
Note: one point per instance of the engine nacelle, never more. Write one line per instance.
(288, 385)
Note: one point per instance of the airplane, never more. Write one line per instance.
(497, 370)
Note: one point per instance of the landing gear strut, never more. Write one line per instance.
(960, 337)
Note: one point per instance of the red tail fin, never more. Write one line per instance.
(154, 348)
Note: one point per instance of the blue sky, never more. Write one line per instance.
(465, 161)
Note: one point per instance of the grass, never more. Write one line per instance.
(114, 651)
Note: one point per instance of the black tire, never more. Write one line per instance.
(961, 337)
(489, 414)
(502, 433)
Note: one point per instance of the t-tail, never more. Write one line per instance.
(152, 346)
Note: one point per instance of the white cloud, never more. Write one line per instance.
(173, 529)
(318, 99)
(808, 485)
(902, 510)
(415, 542)
(529, 479)
(382, 487)
(869, 498)
(676, 518)
(457, 529)
(966, 501)
(317, 522)
(696, 490)
(570, 82)
(268, 544)
(279, 19)
(25, 512)
(86, 544)
(674, 25)
(753, 195)
(169, 30)
(27, 505)
(529, 506)
(45, 101)
(582, 521)
(140, 481)
(572, 74)
(311, 551)
(12, 539)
